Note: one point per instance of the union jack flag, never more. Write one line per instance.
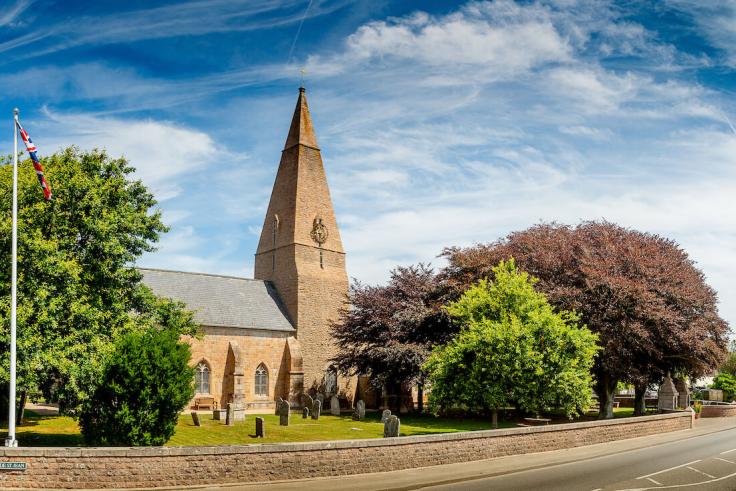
(36, 164)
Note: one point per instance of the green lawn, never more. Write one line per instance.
(63, 431)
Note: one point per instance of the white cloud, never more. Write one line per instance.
(161, 151)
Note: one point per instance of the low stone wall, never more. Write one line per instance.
(173, 466)
(717, 411)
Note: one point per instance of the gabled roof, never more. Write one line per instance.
(221, 301)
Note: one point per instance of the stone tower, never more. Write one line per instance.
(300, 250)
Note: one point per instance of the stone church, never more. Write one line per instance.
(268, 337)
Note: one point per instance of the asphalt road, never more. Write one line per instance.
(702, 462)
(700, 458)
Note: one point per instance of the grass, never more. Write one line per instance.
(63, 431)
(304, 430)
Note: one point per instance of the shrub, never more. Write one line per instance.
(145, 383)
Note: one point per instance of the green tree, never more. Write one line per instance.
(727, 383)
(513, 349)
(77, 287)
(145, 383)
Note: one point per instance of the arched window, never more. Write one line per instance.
(202, 378)
(261, 380)
(331, 381)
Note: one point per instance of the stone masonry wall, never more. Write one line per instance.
(76, 468)
(718, 411)
(256, 347)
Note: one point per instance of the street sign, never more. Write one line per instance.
(13, 466)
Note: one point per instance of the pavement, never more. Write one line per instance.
(701, 458)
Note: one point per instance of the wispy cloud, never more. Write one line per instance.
(194, 18)
(13, 12)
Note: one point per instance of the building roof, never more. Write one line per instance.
(221, 301)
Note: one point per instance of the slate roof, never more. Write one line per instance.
(221, 301)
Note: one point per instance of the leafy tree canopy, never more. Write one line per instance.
(727, 383)
(388, 331)
(77, 287)
(145, 383)
(640, 292)
(513, 350)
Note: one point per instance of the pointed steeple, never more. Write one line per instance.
(301, 130)
(300, 251)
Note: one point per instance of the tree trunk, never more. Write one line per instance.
(21, 408)
(606, 388)
(640, 403)
(494, 418)
(420, 397)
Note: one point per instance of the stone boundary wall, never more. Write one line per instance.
(123, 467)
(717, 411)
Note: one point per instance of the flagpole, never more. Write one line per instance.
(10, 441)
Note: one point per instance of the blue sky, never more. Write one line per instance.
(440, 123)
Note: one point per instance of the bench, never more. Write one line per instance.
(205, 403)
(537, 421)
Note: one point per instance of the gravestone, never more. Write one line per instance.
(305, 412)
(307, 401)
(195, 418)
(316, 409)
(284, 410)
(391, 427)
(359, 413)
(278, 402)
(321, 399)
(219, 414)
(260, 428)
(385, 415)
(230, 418)
(667, 395)
(334, 406)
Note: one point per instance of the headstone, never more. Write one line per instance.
(316, 409)
(321, 399)
(260, 428)
(385, 415)
(230, 418)
(307, 401)
(667, 395)
(219, 414)
(284, 410)
(278, 401)
(195, 418)
(391, 427)
(359, 413)
(334, 406)
(305, 412)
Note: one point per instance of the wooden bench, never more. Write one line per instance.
(205, 403)
(537, 421)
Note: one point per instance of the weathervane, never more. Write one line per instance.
(302, 71)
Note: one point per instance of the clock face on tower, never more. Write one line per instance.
(319, 231)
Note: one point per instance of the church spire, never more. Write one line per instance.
(300, 251)
(301, 130)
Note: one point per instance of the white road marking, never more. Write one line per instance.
(724, 460)
(655, 482)
(701, 472)
(669, 469)
(672, 486)
(728, 451)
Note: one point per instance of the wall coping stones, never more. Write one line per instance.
(67, 452)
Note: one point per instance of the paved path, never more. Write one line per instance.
(703, 458)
